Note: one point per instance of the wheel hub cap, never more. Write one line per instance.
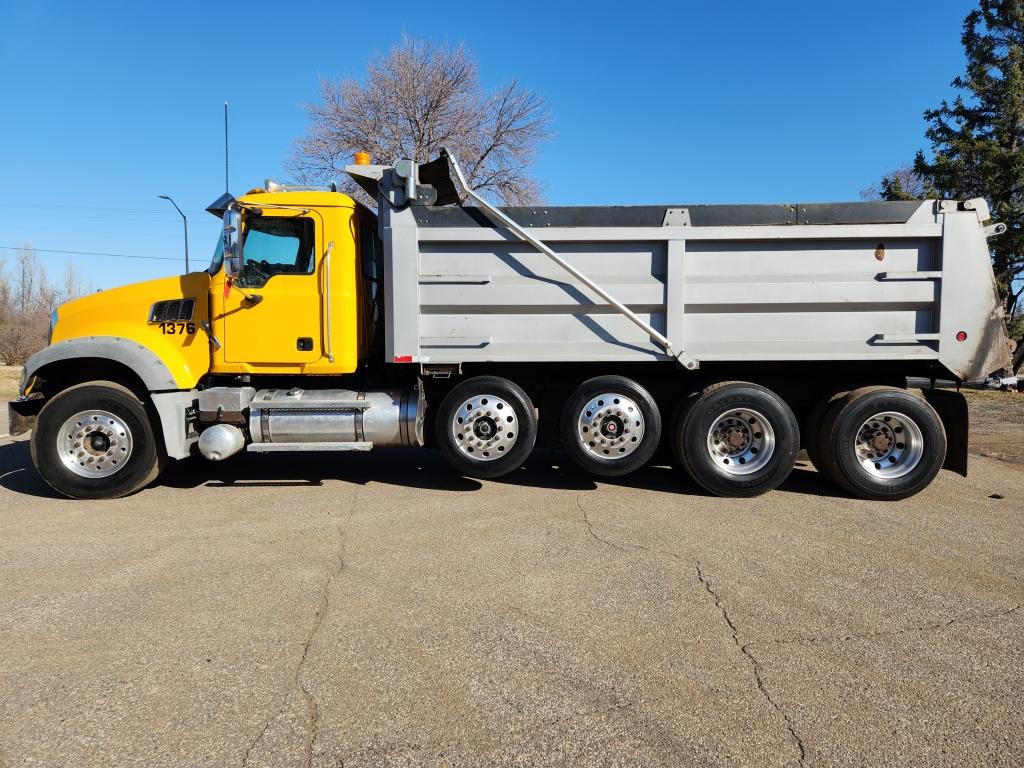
(610, 426)
(94, 443)
(740, 441)
(889, 445)
(485, 427)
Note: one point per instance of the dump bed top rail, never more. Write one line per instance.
(898, 212)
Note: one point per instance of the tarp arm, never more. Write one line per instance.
(500, 218)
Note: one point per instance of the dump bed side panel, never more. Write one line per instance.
(808, 299)
(505, 301)
(463, 290)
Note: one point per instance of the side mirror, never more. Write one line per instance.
(232, 235)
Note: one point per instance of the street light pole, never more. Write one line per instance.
(184, 219)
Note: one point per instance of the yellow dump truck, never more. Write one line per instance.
(727, 335)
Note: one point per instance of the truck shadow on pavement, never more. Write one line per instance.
(407, 468)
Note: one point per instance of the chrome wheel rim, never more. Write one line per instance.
(485, 427)
(610, 426)
(740, 441)
(95, 443)
(889, 445)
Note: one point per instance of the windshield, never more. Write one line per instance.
(218, 255)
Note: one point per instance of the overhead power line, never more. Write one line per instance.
(102, 216)
(86, 253)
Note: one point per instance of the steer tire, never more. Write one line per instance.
(119, 456)
(497, 431)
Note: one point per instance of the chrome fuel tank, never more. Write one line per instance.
(383, 418)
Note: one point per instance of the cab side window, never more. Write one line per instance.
(277, 246)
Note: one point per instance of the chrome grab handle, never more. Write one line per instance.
(327, 302)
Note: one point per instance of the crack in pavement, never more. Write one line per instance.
(933, 627)
(312, 708)
(620, 547)
(590, 528)
(754, 663)
(296, 682)
(744, 648)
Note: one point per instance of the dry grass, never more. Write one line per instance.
(9, 377)
(997, 424)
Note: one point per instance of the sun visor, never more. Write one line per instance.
(218, 206)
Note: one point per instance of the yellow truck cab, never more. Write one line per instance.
(731, 335)
(124, 365)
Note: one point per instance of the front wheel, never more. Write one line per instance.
(486, 427)
(95, 441)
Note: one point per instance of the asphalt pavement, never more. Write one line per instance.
(378, 610)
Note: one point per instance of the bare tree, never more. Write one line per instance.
(26, 300)
(413, 101)
(904, 183)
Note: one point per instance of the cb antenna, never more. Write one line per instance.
(227, 188)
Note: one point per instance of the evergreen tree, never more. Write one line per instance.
(977, 139)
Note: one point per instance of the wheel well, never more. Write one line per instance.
(59, 375)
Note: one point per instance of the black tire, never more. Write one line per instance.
(675, 429)
(615, 449)
(766, 447)
(145, 455)
(487, 448)
(896, 472)
(811, 430)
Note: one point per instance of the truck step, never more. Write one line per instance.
(275, 447)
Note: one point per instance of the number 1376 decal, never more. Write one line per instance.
(172, 329)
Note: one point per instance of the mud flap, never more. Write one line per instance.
(952, 409)
(21, 414)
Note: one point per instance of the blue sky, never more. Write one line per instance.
(107, 105)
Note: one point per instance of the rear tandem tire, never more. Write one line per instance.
(738, 439)
(811, 430)
(102, 430)
(486, 427)
(882, 443)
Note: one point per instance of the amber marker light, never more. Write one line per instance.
(362, 158)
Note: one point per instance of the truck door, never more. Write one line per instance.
(283, 326)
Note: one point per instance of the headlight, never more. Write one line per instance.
(53, 324)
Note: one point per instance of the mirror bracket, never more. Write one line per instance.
(231, 234)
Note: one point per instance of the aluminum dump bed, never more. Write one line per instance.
(908, 281)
